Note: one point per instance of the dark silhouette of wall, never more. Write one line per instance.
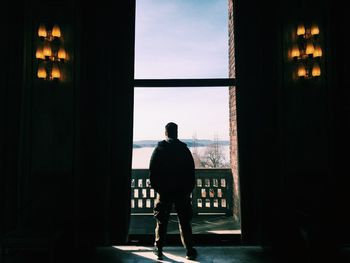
(66, 146)
(70, 145)
(291, 133)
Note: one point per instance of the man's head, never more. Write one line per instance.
(171, 130)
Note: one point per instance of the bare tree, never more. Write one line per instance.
(214, 155)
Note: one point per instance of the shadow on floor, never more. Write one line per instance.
(140, 254)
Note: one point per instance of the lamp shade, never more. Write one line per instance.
(39, 53)
(300, 30)
(56, 31)
(47, 50)
(295, 52)
(317, 51)
(42, 31)
(301, 71)
(314, 29)
(41, 72)
(316, 70)
(55, 72)
(62, 54)
(309, 48)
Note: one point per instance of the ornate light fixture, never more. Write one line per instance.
(50, 53)
(306, 51)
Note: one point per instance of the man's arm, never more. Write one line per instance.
(191, 170)
(154, 170)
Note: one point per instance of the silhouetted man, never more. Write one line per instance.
(172, 177)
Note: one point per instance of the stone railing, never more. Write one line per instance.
(212, 193)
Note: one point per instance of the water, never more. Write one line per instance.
(141, 156)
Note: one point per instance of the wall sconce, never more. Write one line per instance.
(50, 53)
(306, 51)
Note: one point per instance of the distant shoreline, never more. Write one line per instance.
(189, 142)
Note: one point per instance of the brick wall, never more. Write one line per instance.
(233, 119)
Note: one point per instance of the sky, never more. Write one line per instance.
(181, 39)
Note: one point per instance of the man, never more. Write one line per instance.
(172, 177)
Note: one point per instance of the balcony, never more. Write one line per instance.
(212, 202)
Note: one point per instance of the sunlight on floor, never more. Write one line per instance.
(225, 231)
(147, 253)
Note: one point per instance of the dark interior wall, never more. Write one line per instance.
(105, 114)
(10, 96)
(339, 91)
(291, 139)
(66, 146)
(257, 77)
(75, 139)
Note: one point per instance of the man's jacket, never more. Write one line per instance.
(172, 169)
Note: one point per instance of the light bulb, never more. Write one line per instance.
(41, 73)
(56, 31)
(314, 30)
(317, 51)
(42, 31)
(301, 30)
(55, 72)
(295, 53)
(47, 50)
(316, 70)
(301, 71)
(309, 48)
(62, 54)
(39, 53)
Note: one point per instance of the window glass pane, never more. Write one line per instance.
(181, 39)
(202, 115)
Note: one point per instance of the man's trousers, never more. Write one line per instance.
(183, 207)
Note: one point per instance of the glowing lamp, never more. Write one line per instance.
(55, 72)
(42, 31)
(39, 53)
(317, 51)
(301, 30)
(314, 30)
(295, 52)
(47, 51)
(62, 54)
(41, 73)
(56, 31)
(316, 71)
(301, 71)
(309, 48)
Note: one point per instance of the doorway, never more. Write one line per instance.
(184, 72)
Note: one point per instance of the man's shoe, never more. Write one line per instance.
(191, 253)
(158, 252)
